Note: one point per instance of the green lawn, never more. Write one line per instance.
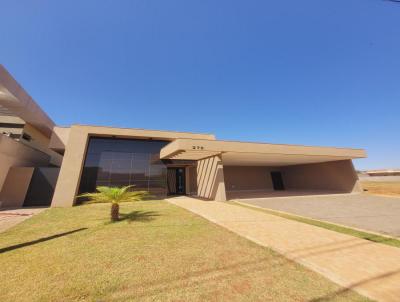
(157, 253)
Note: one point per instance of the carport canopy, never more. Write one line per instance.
(255, 154)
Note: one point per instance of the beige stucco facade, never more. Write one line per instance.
(221, 167)
(76, 140)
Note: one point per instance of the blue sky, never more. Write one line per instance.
(299, 72)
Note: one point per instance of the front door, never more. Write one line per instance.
(176, 181)
(180, 181)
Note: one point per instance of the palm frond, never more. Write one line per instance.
(114, 195)
(135, 196)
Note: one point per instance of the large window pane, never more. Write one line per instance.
(122, 162)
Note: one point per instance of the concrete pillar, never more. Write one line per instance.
(210, 179)
(357, 188)
(71, 169)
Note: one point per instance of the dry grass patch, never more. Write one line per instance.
(158, 252)
(382, 188)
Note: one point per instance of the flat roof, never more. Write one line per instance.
(203, 134)
(248, 154)
(60, 136)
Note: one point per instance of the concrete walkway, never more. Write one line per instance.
(11, 217)
(369, 268)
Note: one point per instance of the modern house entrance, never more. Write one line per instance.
(176, 181)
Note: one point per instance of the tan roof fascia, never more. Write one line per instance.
(140, 133)
(180, 145)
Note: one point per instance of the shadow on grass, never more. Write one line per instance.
(17, 246)
(138, 216)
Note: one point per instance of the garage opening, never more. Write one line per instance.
(242, 182)
(231, 169)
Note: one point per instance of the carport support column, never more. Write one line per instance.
(210, 179)
(357, 186)
(71, 168)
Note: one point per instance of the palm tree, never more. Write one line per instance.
(115, 196)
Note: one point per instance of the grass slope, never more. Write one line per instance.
(158, 252)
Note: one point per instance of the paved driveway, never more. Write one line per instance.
(376, 213)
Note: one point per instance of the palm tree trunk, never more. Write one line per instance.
(114, 212)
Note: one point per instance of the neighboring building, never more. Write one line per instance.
(170, 163)
(25, 132)
(383, 172)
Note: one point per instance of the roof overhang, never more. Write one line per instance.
(14, 100)
(255, 154)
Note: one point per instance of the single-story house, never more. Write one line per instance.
(43, 164)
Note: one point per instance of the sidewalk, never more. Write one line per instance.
(369, 268)
(9, 218)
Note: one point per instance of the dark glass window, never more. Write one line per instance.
(123, 162)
